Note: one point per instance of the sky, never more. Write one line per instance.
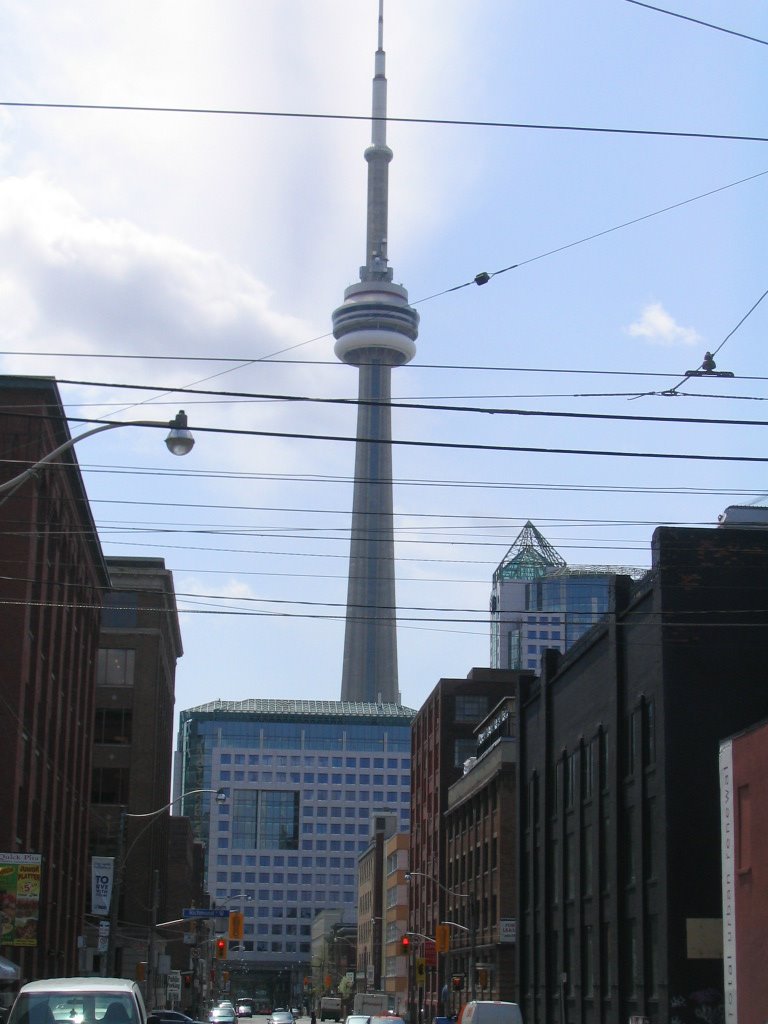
(154, 260)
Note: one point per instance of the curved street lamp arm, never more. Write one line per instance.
(177, 425)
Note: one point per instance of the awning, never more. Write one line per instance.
(9, 971)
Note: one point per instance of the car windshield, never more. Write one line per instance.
(82, 1008)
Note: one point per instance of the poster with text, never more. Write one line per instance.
(19, 898)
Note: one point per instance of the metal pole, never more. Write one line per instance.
(151, 994)
(472, 940)
(110, 967)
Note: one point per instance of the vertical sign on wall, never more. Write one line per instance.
(728, 848)
(19, 898)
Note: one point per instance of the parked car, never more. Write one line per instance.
(357, 1018)
(75, 1000)
(245, 1007)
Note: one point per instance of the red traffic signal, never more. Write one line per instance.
(406, 942)
(457, 982)
(221, 949)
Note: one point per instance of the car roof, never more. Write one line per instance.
(80, 985)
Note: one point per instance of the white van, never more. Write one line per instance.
(79, 1001)
(486, 1011)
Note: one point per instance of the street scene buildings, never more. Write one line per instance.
(578, 827)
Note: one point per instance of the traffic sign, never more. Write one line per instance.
(196, 912)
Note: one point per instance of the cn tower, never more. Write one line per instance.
(375, 329)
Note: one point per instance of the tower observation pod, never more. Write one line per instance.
(375, 329)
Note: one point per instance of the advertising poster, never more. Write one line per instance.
(19, 898)
(102, 872)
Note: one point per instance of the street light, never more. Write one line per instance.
(179, 442)
(470, 919)
(121, 858)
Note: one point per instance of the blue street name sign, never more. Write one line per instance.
(193, 912)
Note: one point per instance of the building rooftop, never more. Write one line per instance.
(309, 710)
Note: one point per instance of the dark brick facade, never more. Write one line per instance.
(53, 576)
(139, 646)
(620, 871)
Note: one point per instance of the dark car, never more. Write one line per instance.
(245, 1007)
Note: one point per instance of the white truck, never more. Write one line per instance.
(375, 1004)
(330, 1008)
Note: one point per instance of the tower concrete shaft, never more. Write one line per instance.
(375, 329)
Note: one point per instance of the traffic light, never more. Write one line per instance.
(482, 977)
(236, 925)
(457, 982)
(221, 949)
(421, 970)
(187, 979)
(406, 943)
(442, 938)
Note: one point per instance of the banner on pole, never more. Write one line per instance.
(102, 876)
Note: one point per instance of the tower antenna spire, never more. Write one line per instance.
(378, 156)
(375, 330)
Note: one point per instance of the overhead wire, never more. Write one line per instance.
(389, 119)
(698, 21)
(673, 391)
(403, 404)
(470, 446)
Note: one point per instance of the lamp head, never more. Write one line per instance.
(179, 440)
(221, 794)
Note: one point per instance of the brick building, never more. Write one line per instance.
(620, 866)
(139, 643)
(744, 827)
(481, 858)
(53, 575)
(443, 737)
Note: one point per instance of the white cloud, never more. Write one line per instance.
(659, 328)
(106, 283)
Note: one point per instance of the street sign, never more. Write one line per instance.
(197, 912)
(508, 929)
(174, 986)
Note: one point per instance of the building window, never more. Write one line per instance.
(265, 819)
(587, 770)
(463, 748)
(120, 610)
(470, 708)
(115, 666)
(109, 786)
(113, 725)
(649, 733)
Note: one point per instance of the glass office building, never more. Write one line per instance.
(302, 780)
(540, 602)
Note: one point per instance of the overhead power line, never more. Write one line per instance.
(422, 406)
(445, 121)
(468, 446)
(698, 21)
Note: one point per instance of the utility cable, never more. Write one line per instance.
(440, 121)
(469, 446)
(484, 277)
(421, 406)
(697, 21)
(673, 391)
